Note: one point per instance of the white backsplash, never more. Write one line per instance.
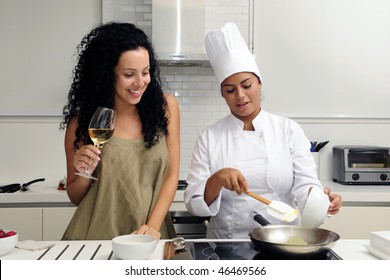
(201, 104)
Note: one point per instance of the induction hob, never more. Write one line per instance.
(247, 251)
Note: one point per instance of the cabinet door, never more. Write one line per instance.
(55, 221)
(26, 221)
(359, 222)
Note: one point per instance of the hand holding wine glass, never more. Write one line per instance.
(100, 129)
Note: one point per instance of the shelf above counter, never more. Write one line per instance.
(361, 195)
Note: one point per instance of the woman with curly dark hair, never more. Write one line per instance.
(138, 168)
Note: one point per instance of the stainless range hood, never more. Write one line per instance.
(178, 31)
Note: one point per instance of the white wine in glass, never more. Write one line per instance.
(100, 129)
(100, 136)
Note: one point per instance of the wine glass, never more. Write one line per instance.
(100, 129)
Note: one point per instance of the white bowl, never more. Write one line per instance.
(134, 246)
(7, 244)
(316, 208)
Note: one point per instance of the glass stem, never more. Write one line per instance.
(99, 146)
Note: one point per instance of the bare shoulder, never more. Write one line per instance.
(171, 100)
(72, 125)
(70, 133)
(173, 107)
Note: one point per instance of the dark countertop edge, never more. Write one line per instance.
(36, 204)
(366, 203)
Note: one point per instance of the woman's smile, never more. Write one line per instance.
(135, 93)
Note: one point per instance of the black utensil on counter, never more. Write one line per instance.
(24, 187)
(11, 188)
(320, 146)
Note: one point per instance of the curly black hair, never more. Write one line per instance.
(93, 81)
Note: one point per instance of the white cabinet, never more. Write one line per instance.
(55, 221)
(49, 223)
(356, 222)
(37, 223)
(26, 221)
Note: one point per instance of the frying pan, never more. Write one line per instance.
(11, 188)
(274, 238)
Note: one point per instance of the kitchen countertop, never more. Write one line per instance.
(347, 249)
(41, 193)
(38, 193)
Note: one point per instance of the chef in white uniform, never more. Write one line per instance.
(250, 149)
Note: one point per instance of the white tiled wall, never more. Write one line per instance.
(217, 13)
(196, 90)
(194, 87)
(138, 12)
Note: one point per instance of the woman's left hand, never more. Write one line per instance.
(336, 201)
(145, 229)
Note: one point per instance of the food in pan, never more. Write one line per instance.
(296, 240)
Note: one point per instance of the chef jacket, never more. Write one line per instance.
(275, 159)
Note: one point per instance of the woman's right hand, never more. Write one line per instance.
(228, 178)
(232, 179)
(86, 158)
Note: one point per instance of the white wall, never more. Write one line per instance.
(38, 43)
(324, 57)
(32, 147)
(326, 63)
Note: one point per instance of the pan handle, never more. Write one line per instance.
(260, 219)
(35, 181)
(24, 187)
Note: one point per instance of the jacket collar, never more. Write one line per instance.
(237, 124)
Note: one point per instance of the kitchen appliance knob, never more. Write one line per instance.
(383, 177)
(355, 176)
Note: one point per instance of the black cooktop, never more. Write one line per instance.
(247, 251)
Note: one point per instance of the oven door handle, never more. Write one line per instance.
(368, 151)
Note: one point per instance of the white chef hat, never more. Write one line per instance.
(228, 53)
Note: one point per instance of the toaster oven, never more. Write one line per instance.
(361, 165)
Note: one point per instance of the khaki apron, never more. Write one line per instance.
(121, 200)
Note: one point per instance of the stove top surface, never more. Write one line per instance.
(247, 251)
